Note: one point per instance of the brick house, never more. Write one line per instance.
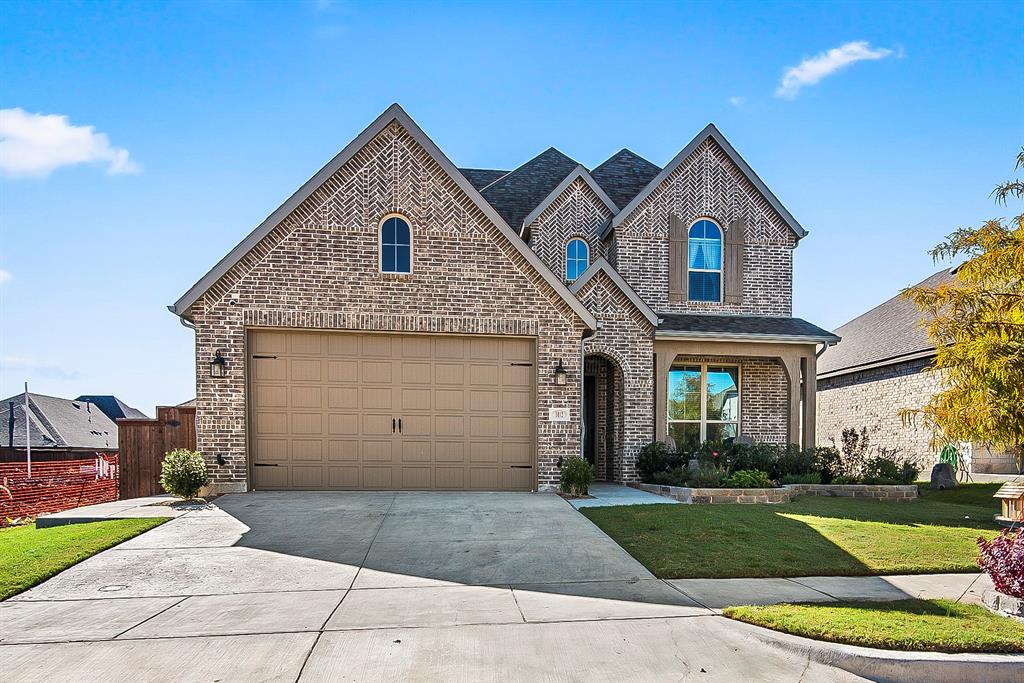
(401, 323)
(880, 368)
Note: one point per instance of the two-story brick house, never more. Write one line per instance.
(400, 323)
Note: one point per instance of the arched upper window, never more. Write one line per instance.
(395, 246)
(705, 262)
(577, 258)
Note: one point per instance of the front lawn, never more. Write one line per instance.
(812, 536)
(29, 556)
(929, 625)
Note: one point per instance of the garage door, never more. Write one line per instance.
(381, 411)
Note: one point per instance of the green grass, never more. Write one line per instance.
(812, 536)
(928, 625)
(29, 556)
(964, 494)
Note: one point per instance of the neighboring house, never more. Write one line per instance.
(114, 408)
(880, 368)
(58, 428)
(400, 323)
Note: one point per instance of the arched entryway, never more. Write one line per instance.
(602, 416)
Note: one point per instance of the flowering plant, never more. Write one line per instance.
(1003, 559)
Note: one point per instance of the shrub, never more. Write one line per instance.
(812, 478)
(577, 476)
(656, 457)
(792, 460)
(909, 472)
(183, 473)
(708, 477)
(1003, 559)
(845, 479)
(828, 462)
(748, 479)
(673, 477)
(881, 470)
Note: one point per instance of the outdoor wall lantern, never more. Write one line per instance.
(217, 365)
(560, 374)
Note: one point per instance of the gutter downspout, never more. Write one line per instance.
(824, 348)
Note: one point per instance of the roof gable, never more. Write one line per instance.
(600, 265)
(711, 132)
(578, 173)
(393, 114)
(517, 193)
(624, 174)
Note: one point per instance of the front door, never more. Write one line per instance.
(590, 418)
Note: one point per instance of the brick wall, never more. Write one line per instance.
(708, 184)
(873, 399)
(318, 269)
(578, 212)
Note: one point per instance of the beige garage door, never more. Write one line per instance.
(338, 410)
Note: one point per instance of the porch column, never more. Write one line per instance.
(809, 368)
(791, 364)
(662, 363)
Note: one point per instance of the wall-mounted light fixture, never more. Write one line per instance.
(218, 365)
(561, 376)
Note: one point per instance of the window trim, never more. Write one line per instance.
(380, 245)
(586, 245)
(721, 262)
(704, 421)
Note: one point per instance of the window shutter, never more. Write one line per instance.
(734, 261)
(677, 233)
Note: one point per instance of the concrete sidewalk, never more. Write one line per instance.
(132, 508)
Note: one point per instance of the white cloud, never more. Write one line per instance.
(5, 276)
(814, 69)
(38, 368)
(34, 145)
(737, 101)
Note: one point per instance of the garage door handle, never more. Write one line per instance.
(270, 357)
(521, 467)
(521, 365)
(399, 425)
(392, 425)
(266, 464)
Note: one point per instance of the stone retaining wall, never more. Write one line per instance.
(782, 494)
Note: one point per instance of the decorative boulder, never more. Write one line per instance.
(942, 477)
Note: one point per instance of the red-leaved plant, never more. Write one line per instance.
(1003, 559)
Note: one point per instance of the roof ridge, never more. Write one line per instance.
(526, 163)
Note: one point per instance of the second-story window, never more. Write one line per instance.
(395, 246)
(577, 258)
(704, 262)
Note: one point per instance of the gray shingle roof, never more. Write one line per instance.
(623, 175)
(741, 326)
(56, 423)
(113, 407)
(516, 194)
(481, 177)
(888, 332)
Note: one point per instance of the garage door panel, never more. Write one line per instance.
(325, 412)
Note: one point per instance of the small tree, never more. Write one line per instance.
(976, 322)
(183, 473)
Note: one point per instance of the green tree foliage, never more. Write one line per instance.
(977, 324)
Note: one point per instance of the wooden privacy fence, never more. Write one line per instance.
(142, 443)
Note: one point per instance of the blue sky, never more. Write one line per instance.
(215, 112)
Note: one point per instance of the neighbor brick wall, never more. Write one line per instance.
(873, 398)
(626, 338)
(709, 185)
(318, 269)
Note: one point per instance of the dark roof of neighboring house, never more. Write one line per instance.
(889, 332)
(56, 423)
(741, 327)
(113, 407)
(481, 177)
(623, 175)
(515, 194)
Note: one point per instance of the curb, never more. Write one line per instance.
(893, 666)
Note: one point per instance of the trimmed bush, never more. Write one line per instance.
(577, 476)
(708, 477)
(828, 462)
(673, 477)
(656, 457)
(748, 479)
(183, 473)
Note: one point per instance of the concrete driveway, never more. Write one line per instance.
(376, 586)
